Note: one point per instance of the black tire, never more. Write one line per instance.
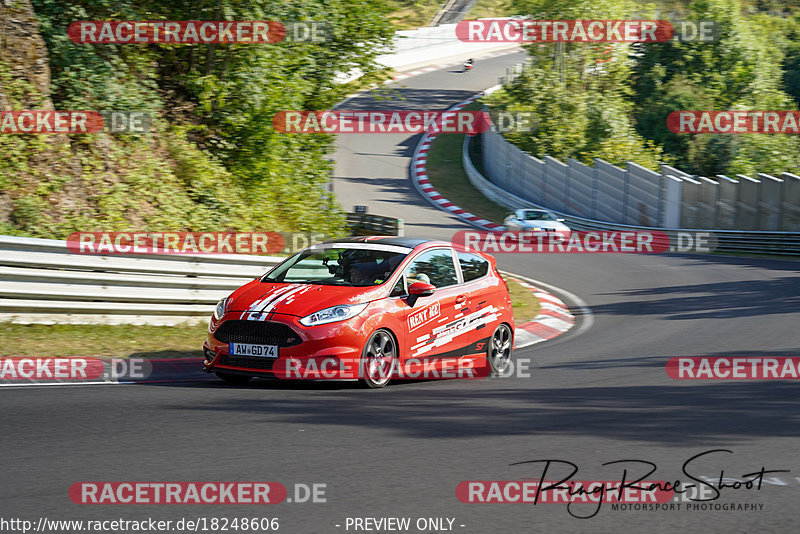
(501, 345)
(378, 359)
(234, 379)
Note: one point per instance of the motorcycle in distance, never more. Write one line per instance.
(468, 65)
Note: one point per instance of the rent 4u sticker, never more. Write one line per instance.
(423, 316)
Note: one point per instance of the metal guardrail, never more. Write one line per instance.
(366, 224)
(41, 281)
(731, 241)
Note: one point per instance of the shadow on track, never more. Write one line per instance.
(777, 294)
(680, 415)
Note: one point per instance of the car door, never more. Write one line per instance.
(432, 323)
(479, 310)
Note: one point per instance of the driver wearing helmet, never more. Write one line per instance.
(363, 270)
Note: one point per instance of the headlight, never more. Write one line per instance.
(332, 314)
(222, 307)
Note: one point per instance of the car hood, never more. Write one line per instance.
(297, 299)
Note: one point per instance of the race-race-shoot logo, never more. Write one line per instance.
(633, 488)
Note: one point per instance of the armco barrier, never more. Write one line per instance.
(366, 224)
(732, 241)
(42, 282)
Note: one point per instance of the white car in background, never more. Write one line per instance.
(536, 220)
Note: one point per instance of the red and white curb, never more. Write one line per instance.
(553, 320)
(419, 178)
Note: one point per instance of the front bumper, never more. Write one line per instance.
(326, 351)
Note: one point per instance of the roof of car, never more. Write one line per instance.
(408, 242)
(384, 240)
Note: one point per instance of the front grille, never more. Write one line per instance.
(257, 333)
(249, 362)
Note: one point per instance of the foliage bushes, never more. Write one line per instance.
(617, 110)
(212, 160)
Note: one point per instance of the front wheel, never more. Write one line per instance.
(378, 359)
(500, 348)
(234, 379)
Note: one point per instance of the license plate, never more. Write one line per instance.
(246, 349)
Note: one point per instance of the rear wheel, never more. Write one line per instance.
(378, 359)
(234, 379)
(500, 348)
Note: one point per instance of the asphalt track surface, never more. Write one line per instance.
(595, 395)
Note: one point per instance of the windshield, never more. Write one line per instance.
(537, 216)
(338, 266)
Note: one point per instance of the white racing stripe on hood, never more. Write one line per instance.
(301, 289)
(255, 310)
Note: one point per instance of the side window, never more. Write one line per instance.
(472, 266)
(399, 289)
(433, 267)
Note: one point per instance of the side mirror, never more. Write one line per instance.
(561, 220)
(421, 289)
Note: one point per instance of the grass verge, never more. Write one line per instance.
(446, 173)
(526, 305)
(131, 341)
(412, 14)
(113, 341)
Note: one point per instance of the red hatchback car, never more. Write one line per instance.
(366, 308)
